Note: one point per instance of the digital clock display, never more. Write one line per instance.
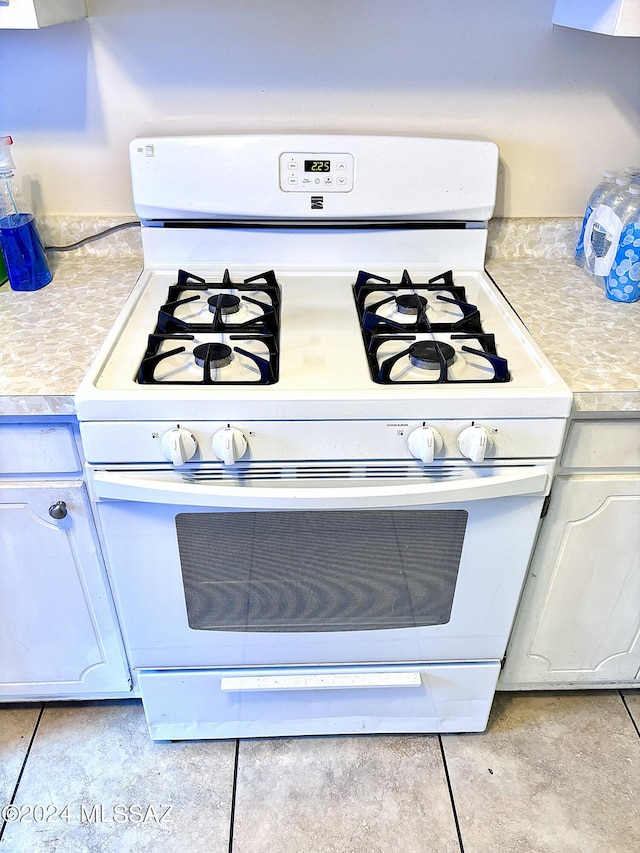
(317, 165)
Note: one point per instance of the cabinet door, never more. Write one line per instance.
(31, 14)
(579, 618)
(611, 17)
(58, 633)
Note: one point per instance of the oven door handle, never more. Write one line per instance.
(471, 485)
(319, 681)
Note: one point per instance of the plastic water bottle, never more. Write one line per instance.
(24, 255)
(607, 182)
(623, 282)
(602, 232)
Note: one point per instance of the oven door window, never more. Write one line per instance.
(320, 571)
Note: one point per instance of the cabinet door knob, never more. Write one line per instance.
(58, 510)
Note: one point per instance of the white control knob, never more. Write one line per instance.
(178, 446)
(474, 443)
(425, 443)
(229, 445)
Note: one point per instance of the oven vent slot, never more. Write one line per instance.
(321, 472)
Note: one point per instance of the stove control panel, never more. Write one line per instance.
(141, 442)
(316, 172)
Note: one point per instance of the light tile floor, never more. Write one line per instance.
(554, 773)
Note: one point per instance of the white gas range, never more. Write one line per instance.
(318, 438)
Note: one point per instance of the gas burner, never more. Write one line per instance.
(214, 355)
(434, 360)
(410, 303)
(385, 308)
(195, 305)
(226, 303)
(430, 355)
(210, 362)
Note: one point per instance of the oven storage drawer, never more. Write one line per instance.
(286, 701)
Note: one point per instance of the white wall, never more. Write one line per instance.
(563, 105)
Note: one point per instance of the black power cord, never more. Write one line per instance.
(93, 237)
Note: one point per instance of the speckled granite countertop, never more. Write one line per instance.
(592, 342)
(50, 336)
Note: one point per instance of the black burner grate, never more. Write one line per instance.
(213, 356)
(207, 361)
(220, 305)
(441, 352)
(378, 329)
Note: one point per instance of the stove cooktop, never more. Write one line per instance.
(227, 332)
(239, 342)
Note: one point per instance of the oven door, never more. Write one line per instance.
(320, 565)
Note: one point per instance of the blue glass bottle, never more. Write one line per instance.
(22, 249)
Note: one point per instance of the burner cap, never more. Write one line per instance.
(424, 354)
(226, 302)
(410, 303)
(213, 355)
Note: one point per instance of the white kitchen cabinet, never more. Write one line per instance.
(59, 636)
(610, 17)
(578, 623)
(33, 14)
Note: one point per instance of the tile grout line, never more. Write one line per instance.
(22, 769)
(233, 795)
(633, 722)
(453, 804)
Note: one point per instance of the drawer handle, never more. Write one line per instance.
(58, 510)
(321, 681)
